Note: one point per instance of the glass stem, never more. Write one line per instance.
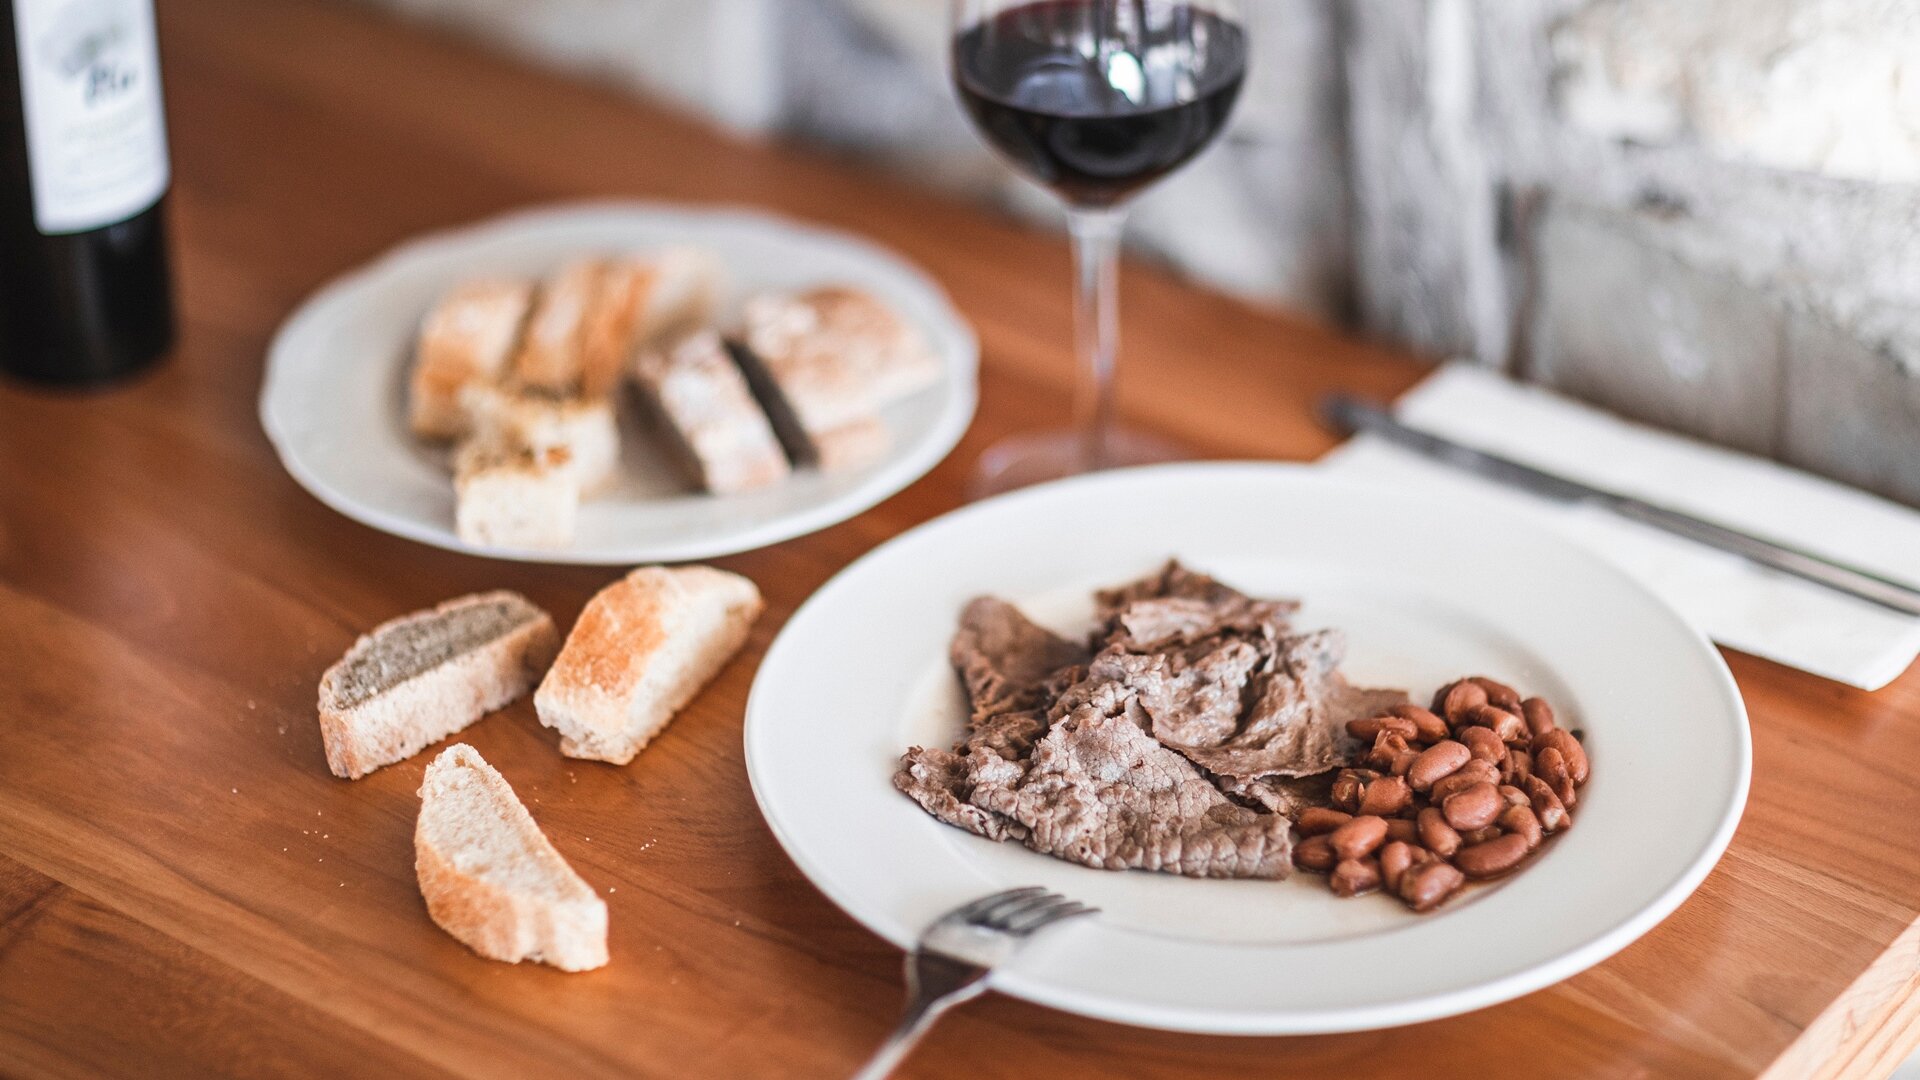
(1096, 323)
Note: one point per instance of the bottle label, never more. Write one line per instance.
(90, 89)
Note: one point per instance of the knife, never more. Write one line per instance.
(1350, 415)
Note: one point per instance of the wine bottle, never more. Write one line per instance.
(85, 292)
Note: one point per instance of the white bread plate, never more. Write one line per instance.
(333, 400)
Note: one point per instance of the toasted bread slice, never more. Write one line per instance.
(492, 879)
(514, 497)
(644, 299)
(700, 401)
(535, 420)
(640, 651)
(550, 354)
(420, 678)
(467, 338)
(823, 363)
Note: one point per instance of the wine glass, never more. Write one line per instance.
(1095, 99)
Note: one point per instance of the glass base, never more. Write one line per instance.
(1023, 460)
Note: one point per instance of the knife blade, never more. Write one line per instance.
(1350, 415)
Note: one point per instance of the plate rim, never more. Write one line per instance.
(1257, 1022)
(891, 478)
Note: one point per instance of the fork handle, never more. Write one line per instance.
(921, 1011)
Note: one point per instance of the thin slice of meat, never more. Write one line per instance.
(1004, 660)
(1100, 791)
(1285, 795)
(1298, 723)
(1177, 606)
(1194, 696)
(941, 782)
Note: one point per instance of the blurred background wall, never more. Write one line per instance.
(1702, 214)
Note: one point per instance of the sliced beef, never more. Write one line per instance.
(1177, 606)
(1297, 724)
(1004, 660)
(1185, 743)
(1100, 791)
(941, 782)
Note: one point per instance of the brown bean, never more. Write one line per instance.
(1351, 877)
(1358, 838)
(1387, 746)
(1502, 723)
(1519, 765)
(1320, 820)
(1435, 834)
(1514, 796)
(1491, 858)
(1484, 744)
(1347, 788)
(1475, 808)
(1498, 692)
(1538, 715)
(1547, 805)
(1368, 729)
(1396, 859)
(1519, 820)
(1427, 726)
(1386, 797)
(1316, 854)
(1551, 767)
(1404, 763)
(1403, 830)
(1473, 772)
(1437, 762)
(1426, 886)
(1439, 702)
(1569, 748)
(1462, 697)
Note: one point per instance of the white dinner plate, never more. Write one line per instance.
(333, 402)
(1426, 591)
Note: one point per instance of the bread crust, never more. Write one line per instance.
(641, 649)
(467, 338)
(400, 721)
(495, 921)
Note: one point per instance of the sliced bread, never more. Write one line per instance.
(467, 338)
(420, 678)
(492, 879)
(823, 363)
(539, 421)
(644, 299)
(641, 649)
(513, 497)
(707, 417)
(549, 356)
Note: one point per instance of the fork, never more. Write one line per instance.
(951, 961)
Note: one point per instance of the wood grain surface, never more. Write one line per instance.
(186, 891)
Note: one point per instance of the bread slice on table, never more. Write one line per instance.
(492, 879)
(640, 651)
(419, 678)
(644, 299)
(467, 338)
(707, 417)
(513, 497)
(550, 353)
(823, 363)
(535, 420)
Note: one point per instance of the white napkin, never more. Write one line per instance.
(1732, 601)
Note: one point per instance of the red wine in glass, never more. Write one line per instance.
(1097, 100)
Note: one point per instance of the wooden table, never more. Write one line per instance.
(185, 890)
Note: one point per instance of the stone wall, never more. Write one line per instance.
(1703, 214)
